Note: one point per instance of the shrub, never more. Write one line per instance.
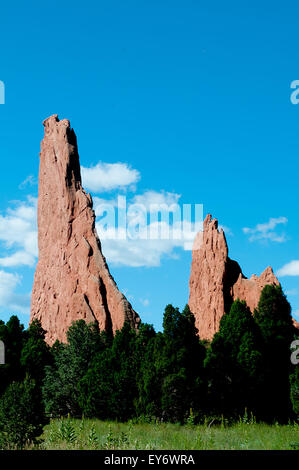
(21, 415)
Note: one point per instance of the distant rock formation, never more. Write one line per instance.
(72, 280)
(250, 289)
(216, 280)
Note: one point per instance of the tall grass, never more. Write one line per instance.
(94, 434)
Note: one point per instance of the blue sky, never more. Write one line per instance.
(192, 96)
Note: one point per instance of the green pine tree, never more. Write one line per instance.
(35, 354)
(181, 364)
(273, 317)
(70, 363)
(13, 335)
(233, 363)
(21, 415)
(109, 387)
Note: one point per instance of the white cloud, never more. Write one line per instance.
(18, 233)
(19, 258)
(289, 269)
(152, 198)
(296, 314)
(9, 299)
(144, 302)
(135, 252)
(146, 205)
(147, 239)
(29, 181)
(8, 283)
(266, 231)
(107, 176)
(18, 247)
(152, 243)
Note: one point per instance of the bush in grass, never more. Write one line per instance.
(21, 415)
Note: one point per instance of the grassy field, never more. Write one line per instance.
(95, 434)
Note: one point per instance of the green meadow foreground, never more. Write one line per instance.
(95, 434)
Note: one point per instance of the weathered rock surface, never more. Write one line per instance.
(216, 280)
(72, 280)
(209, 270)
(250, 289)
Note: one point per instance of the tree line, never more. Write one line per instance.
(171, 375)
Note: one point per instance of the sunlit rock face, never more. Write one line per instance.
(72, 280)
(216, 280)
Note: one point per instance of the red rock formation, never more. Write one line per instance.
(250, 289)
(72, 280)
(216, 280)
(208, 272)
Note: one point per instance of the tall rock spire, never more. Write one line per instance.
(72, 280)
(216, 280)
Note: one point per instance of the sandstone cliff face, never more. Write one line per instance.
(72, 280)
(216, 280)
